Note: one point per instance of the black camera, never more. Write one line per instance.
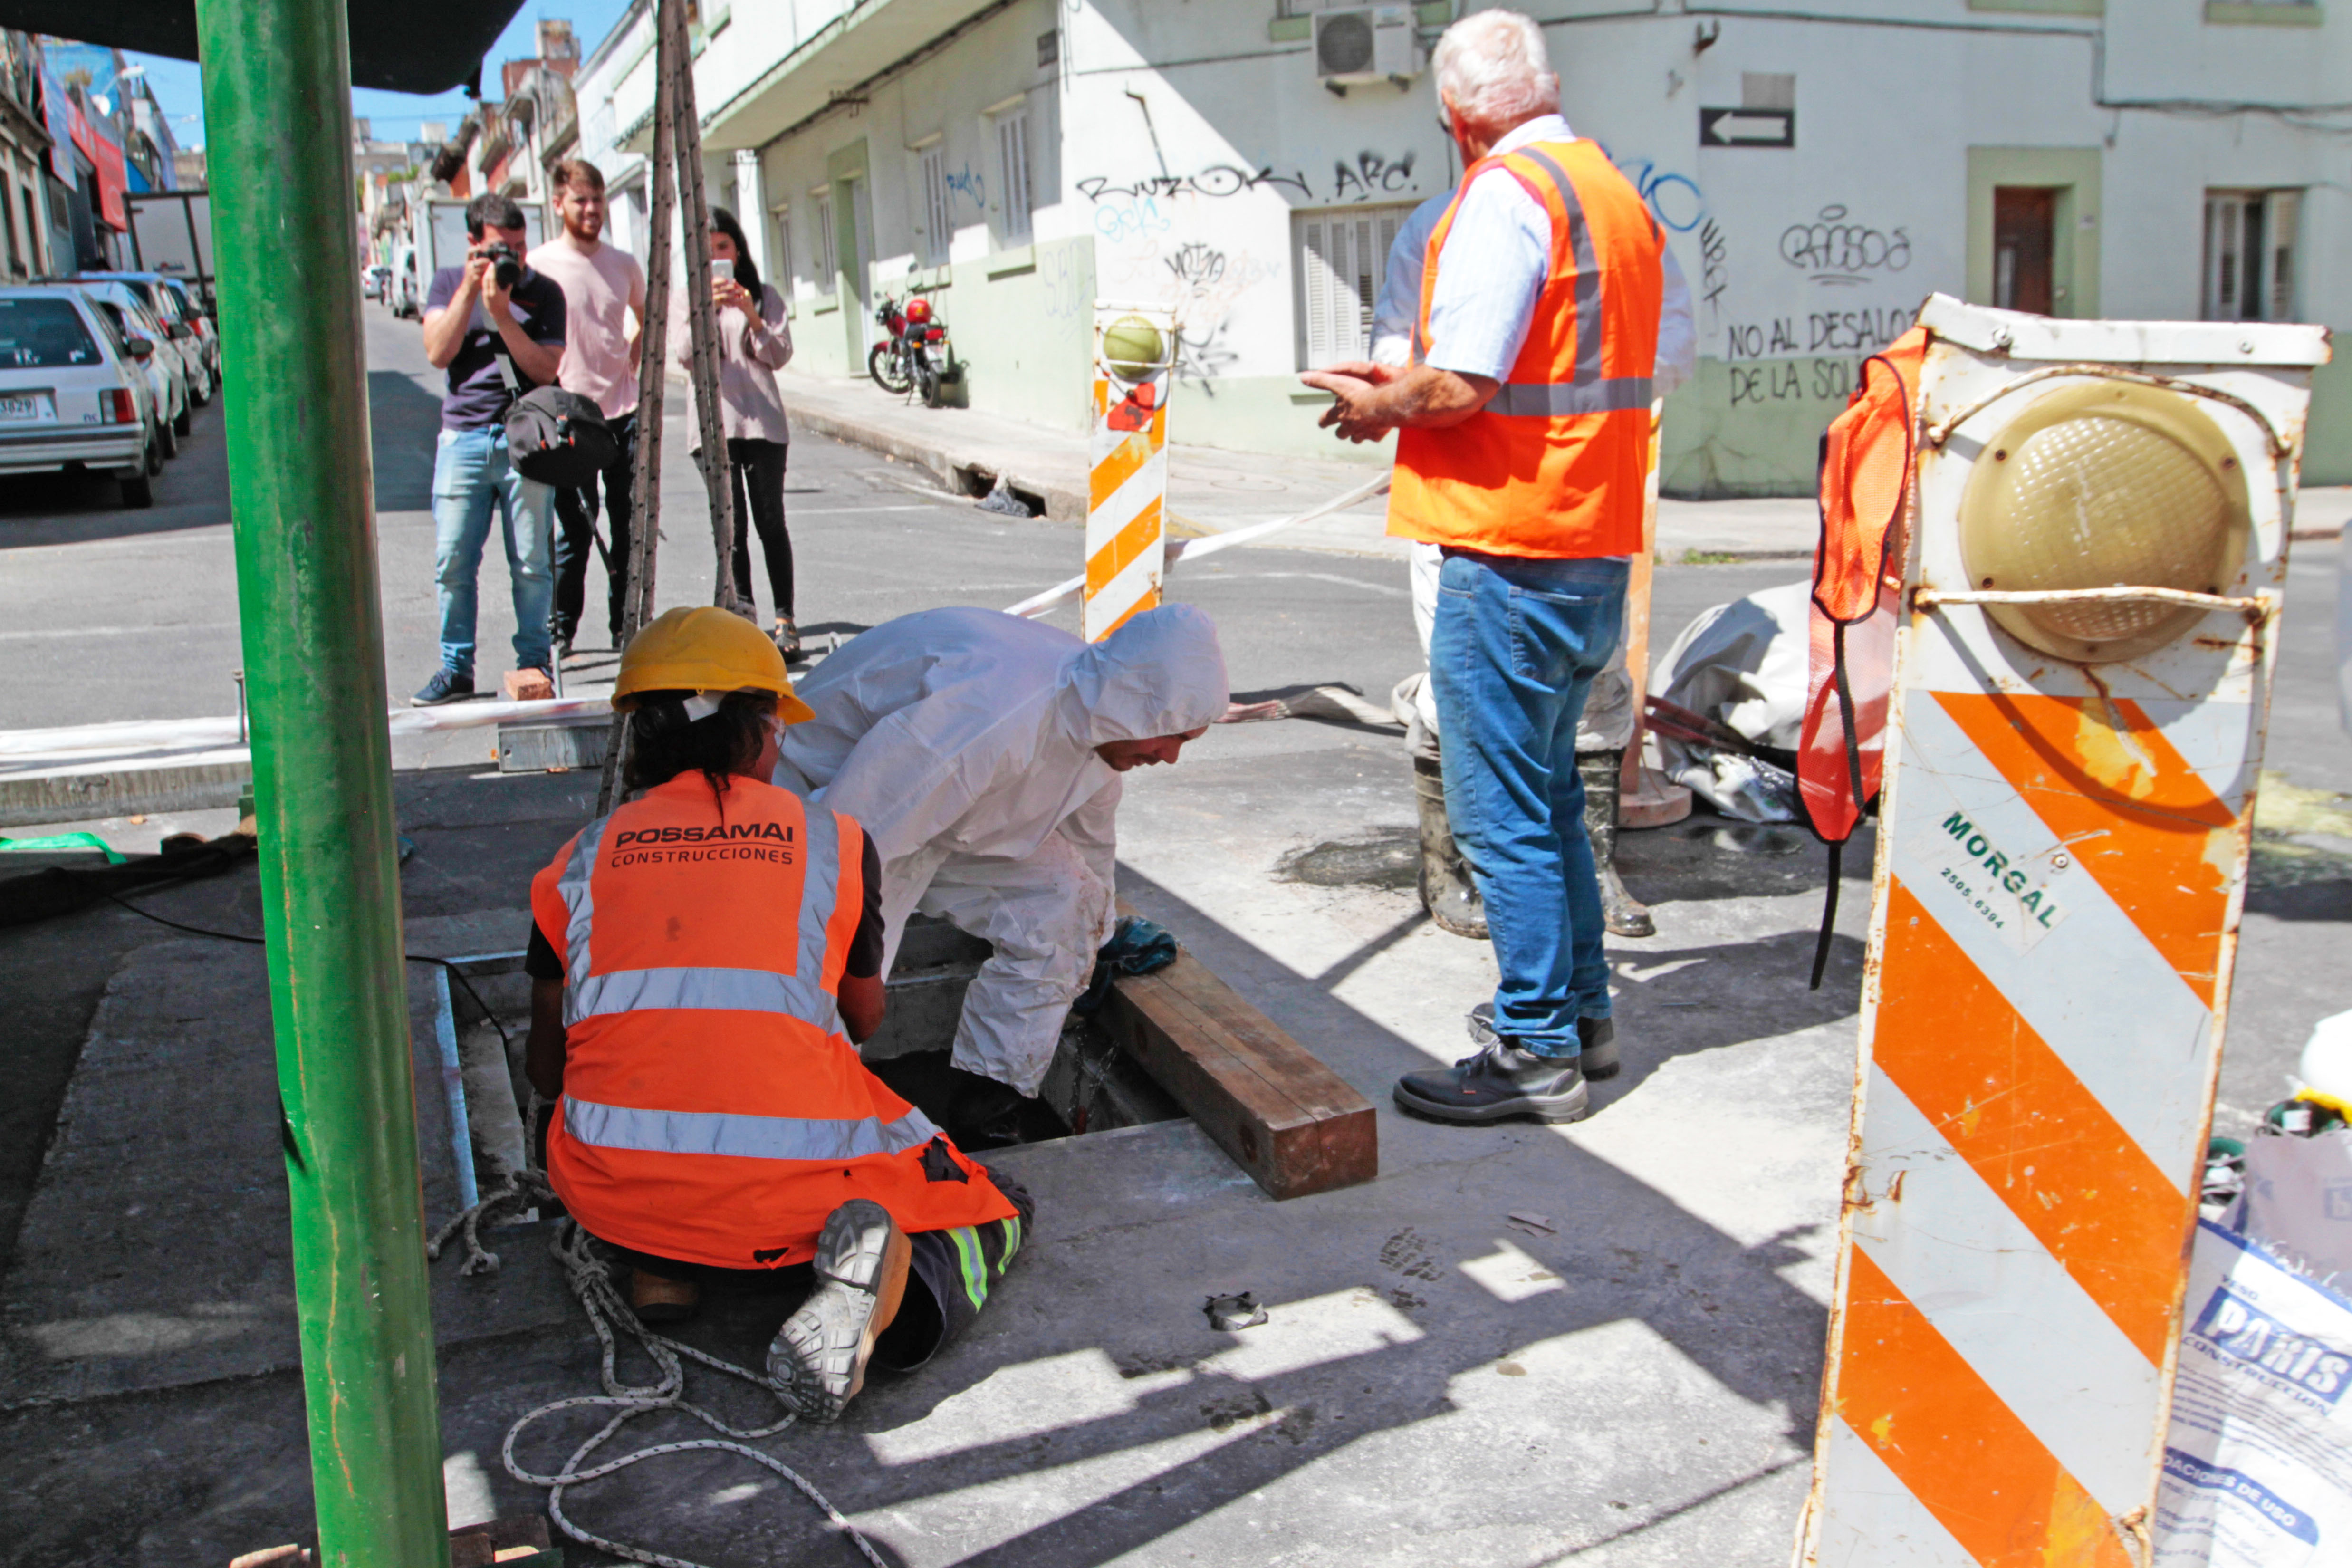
(505, 265)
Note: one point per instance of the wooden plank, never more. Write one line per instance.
(1295, 1125)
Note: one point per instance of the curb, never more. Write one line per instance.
(956, 470)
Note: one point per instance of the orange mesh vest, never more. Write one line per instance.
(1857, 588)
(713, 1110)
(1555, 465)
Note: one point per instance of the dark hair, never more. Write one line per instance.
(746, 272)
(569, 172)
(664, 741)
(491, 211)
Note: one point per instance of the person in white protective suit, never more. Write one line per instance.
(1606, 728)
(982, 752)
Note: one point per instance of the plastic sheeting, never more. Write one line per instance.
(1743, 665)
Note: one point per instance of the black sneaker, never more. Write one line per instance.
(1596, 1040)
(446, 686)
(1498, 1082)
(820, 1355)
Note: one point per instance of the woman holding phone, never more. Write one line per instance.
(755, 340)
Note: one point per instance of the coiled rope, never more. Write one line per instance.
(592, 1282)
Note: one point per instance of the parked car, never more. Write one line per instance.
(375, 282)
(172, 363)
(170, 309)
(196, 316)
(74, 394)
(406, 291)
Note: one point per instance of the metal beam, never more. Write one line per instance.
(278, 139)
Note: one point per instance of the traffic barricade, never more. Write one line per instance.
(2094, 554)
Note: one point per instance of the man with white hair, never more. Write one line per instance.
(1523, 452)
(1605, 730)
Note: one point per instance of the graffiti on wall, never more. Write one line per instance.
(1216, 182)
(1861, 331)
(1714, 268)
(968, 185)
(1370, 175)
(1832, 249)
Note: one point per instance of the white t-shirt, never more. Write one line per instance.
(597, 289)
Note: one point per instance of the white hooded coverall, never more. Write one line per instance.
(963, 739)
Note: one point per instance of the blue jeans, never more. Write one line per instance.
(1513, 652)
(470, 477)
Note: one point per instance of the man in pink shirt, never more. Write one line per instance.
(602, 287)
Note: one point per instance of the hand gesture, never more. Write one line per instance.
(726, 292)
(1353, 387)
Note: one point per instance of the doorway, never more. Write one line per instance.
(2024, 241)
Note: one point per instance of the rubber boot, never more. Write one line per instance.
(1623, 914)
(1446, 891)
(656, 1299)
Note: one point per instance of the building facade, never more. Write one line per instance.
(24, 160)
(1819, 172)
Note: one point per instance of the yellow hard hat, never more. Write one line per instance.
(706, 649)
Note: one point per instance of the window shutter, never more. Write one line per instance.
(938, 224)
(2285, 208)
(1013, 161)
(1316, 274)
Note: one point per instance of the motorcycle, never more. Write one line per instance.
(915, 356)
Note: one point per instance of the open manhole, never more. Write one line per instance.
(1093, 1085)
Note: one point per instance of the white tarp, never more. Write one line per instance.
(1743, 665)
(2258, 1459)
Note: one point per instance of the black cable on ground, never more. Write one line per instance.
(455, 973)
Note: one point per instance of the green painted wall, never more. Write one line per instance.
(1750, 429)
(1023, 323)
(2327, 440)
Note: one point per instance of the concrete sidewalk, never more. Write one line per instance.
(1211, 490)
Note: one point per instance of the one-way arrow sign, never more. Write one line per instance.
(1748, 127)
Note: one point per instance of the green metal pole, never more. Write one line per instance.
(278, 141)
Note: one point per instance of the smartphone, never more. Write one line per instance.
(722, 270)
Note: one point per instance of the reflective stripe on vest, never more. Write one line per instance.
(1586, 391)
(733, 990)
(573, 885)
(742, 1137)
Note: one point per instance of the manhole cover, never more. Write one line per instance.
(1390, 858)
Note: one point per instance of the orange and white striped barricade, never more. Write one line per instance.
(1126, 483)
(2093, 574)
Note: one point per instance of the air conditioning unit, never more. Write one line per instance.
(1366, 44)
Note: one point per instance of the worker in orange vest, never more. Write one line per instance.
(1523, 452)
(701, 962)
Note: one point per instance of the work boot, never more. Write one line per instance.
(1596, 1040)
(1604, 773)
(1446, 891)
(820, 1354)
(657, 1299)
(1498, 1082)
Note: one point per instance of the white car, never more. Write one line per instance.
(74, 394)
(165, 379)
(178, 317)
(177, 362)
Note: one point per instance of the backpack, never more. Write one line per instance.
(555, 436)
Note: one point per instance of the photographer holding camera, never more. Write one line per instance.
(492, 307)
